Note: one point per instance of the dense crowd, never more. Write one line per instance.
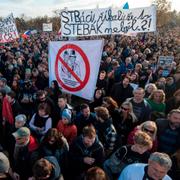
(130, 130)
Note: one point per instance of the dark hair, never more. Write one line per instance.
(95, 173)
(83, 106)
(56, 86)
(42, 168)
(45, 107)
(12, 94)
(53, 133)
(63, 96)
(40, 93)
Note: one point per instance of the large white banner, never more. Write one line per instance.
(75, 65)
(8, 30)
(108, 21)
(47, 27)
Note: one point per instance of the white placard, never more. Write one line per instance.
(75, 66)
(108, 21)
(8, 30)
(47, 27)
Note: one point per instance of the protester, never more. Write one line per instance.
(25, 152)
(84, 118)
(46, 168)
(95, 173)
(157, 101)
(141, 107)
(85, 152)
(66, 126)
(158, 166)
(41, 121)
(105, 129)
(124, 121)
(125, 155)
(55, 144)
(168, 132)
(150, 128)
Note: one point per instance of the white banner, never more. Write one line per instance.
(8, 30)
(75, 65)
(47, 27)
(107, 21)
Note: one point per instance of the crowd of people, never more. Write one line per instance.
(129, 131)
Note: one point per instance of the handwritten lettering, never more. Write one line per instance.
(8, 30)
(107, 21)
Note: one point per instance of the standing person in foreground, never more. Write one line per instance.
(156, 169)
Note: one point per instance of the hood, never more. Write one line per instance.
(56, 168)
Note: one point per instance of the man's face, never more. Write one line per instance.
(19, 124)
(139, 95)
(42, 98)
(174, 120)
(61, 102)
(125, 82)
(156, 171)
(88, 142)
(86, 112)
(21, 140)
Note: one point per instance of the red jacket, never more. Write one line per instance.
(33, 145)
(68, 130)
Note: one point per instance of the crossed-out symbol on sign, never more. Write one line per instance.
(59, 59)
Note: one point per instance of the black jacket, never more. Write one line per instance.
(120, 94)
(78, 151)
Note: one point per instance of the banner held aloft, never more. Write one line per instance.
(108, 21)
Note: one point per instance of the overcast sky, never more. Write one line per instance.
(34, 8)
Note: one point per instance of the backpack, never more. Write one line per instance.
(114, 163)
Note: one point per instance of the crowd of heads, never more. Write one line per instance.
(136, 105)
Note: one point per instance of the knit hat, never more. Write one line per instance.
(4, 163)
(21, 132)
(66, 114)
(21, 117)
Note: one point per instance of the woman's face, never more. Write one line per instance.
(158, 97)
(125, 108)
(133, 77)
(52, 140)
(98, 94)
(150, 89)
(41, 112)
(149, 130)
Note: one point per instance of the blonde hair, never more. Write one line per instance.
(151, 84)
(146, 124)
(131, 112)
(156, 92)
(143, 139)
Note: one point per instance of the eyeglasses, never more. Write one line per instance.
(125, 109)
(147, 130)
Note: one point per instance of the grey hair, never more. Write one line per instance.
(162, 159)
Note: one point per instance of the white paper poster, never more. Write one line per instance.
(75, 65)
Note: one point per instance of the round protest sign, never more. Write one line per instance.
(72, 69)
